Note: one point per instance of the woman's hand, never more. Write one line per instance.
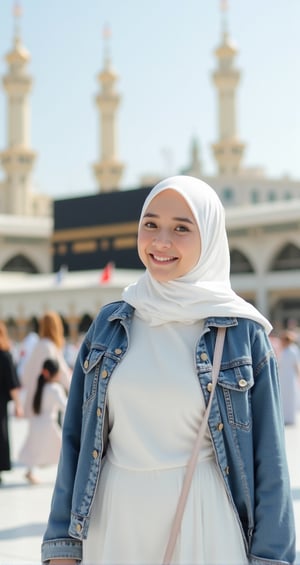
(15, 396)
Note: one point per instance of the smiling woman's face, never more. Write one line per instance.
(169, 243)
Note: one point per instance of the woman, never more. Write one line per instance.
(139, 390)
(49, 346)
(289, 376)
(9, 390)
(43, 442)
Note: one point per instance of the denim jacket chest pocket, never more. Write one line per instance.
(235, 382)
(91, 367)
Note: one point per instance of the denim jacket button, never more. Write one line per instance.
(242, 383)
(95, 454)
(209, 387)
(118, 351)
(203, 356)
(99, 411)
(78, 528)
(86, 364)
(104, 374)
(220, 426)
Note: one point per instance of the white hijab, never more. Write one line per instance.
(204, 291)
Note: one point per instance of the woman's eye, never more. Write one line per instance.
(150, 225)
(181, 228)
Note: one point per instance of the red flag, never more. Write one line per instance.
(107, 273)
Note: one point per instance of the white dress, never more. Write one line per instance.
(155, 408)
(289, 364)
(43, 442)
(44, 349)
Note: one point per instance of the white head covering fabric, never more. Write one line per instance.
(206, 289)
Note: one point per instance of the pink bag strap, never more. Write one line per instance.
(194, 456)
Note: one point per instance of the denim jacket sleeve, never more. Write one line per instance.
(274, 532)
(57, 542)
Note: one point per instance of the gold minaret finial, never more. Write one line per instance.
(106, 34)
(17, 14)
(224, 7)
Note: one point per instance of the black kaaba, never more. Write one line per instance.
(91, 231)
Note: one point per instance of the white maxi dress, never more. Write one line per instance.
(43, 442)
(155, 408)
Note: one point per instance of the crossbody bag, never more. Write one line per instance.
(194, 456)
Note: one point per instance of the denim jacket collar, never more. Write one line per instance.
(125, 311)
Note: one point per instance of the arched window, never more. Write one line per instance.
(287, 259)
(272, 196)
(20, 264)
(239, 263)
(254, 196)
(285, 310)
(228, 195)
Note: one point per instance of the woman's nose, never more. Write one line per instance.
(162, 241)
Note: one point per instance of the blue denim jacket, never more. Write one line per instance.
(245, 425)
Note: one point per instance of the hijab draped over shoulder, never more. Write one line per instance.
(205, 290)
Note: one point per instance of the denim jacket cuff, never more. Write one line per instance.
(61, 549)
(254, 560)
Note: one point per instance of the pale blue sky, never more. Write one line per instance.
(163, 53)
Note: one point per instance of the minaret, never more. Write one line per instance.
(18, 158)
(228, 150)
(195, 167)
(108, 170)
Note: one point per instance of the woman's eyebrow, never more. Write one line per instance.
(150, 215)
(176, 218)
(187, 220)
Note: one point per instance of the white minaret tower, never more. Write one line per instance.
(18, 158)
(108, 170)
(229, 150)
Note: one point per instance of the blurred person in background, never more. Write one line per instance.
(9, 390)
(25, 349)
(43, 442)
(50, 345)
(289, 375)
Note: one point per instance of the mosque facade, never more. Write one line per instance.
(52, 253)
